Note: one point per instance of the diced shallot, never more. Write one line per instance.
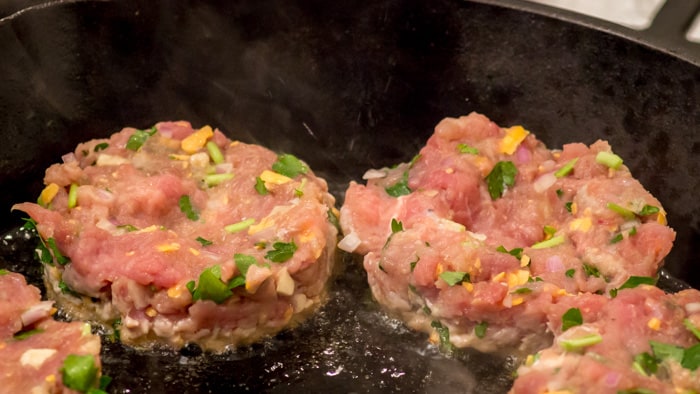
(349, 243)
(544, 182)
(554, 264)
(37, 312)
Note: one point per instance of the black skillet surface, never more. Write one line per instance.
(345, 87)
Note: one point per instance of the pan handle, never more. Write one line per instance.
(667, 32)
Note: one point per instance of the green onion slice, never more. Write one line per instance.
(240, 226)
(214, 152)
(566, 168)
(609, 159)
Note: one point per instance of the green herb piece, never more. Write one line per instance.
(104, 382)
(413, 289)
(645, 364)
(26, 334)
(522, 290)
(281, 251)
(566, 168)
(414, 160)
(396, 226)
(570, 273)
(214, 152)
(617, 238)
(691, 327)
(648, 210)
(399, 188)
(332, 219)
(427, 310)
(186, 208)
(568, 206)
(571, 318)
(260, 186)
(515, 252)
(480, 329)
(210, 286)
(500, 178)
(139, 138)
(203, 241)
(116, 328)
(455, 277)
(443, 334)
(73, 195)
(216, 179)
(29, 224)
(65, 289)
(622, 211)
(239, 226)
(691, 358)
(591, 270)
(608, 159)
(4, 272)
(127, 227)
(632, 231)
(80, 372)
(574, 344)
(549, 230)
(464, 148)
(243, 262)
(634, 281)
(413, 263)
(60, 258)
(664, 351)
(299, 192)
(636, 391)
(101, 146)
(560, 193)
(289, 166)
(549, 243)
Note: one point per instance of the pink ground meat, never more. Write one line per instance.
(137, 255)
(34, 347)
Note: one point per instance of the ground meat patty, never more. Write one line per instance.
(485, 229)
(38, 354)
(180, 235)
(640, 340)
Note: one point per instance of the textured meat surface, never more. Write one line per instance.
(33, 346)
(587, 229)
(627, 327)
(135, 247)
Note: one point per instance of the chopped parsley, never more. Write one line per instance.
(691, 327)
(570, 273)
(560, 193)
(568, 206)
(414, 262)
(443, 334)
(648, 210)
(260, 186)
(60, 258)
(80, 373)
(515, 252)
(210, 286)
(289, 166)
(480, 329)
(203, 241)
(549, 243)
(571, 318)
(26, 334)
(400, 188)
(617, 238)
(186, 208)
(101, 146)
(396, 226)
(500, 178)
(646, 364)
(455, 277)
(591, 270)
(281, 251)
(332, 219)
(464, 148)
(632, 282)
(691, 358)
(139, 138)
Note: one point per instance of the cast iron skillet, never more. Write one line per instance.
(346, 87)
